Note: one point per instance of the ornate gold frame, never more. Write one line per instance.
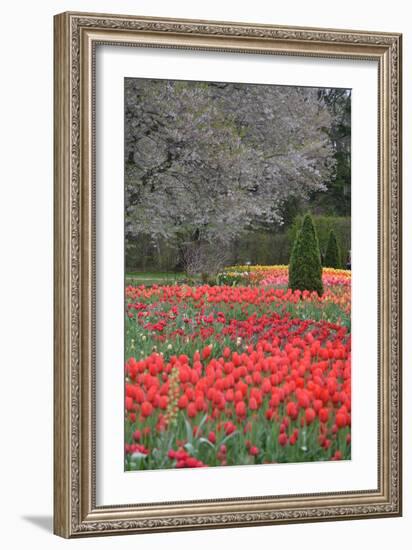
(75, 38)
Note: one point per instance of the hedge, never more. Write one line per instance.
(341, 226)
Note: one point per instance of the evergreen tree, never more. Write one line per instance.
(305, 268)
(332, 256)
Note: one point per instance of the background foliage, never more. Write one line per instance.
(229, 167)
(233, 168)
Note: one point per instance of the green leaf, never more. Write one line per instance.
(189, 431)
(201, 423)
(190, 448)
(230, 436)
(204, 440)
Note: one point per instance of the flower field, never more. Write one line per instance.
(243, 372)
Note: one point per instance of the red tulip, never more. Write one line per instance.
(129, 403)
(191, 410)
(292, 410)
(206, 352)
(241, 409)
(146, 409)
(253, 404)
(283, 439)
(323, 415)
(341, 420)
(310, 415)
(183, 401)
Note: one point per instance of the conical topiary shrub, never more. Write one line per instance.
(305, 268)
(332, 256)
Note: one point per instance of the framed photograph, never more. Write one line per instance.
(227, 274)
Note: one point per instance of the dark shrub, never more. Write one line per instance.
(332, 256)
(324, 225)
(305, 268)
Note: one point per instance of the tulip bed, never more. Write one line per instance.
(230, 375)
(277, 275)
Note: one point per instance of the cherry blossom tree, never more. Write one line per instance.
(206, 161)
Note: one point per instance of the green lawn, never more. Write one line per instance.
(153, 277)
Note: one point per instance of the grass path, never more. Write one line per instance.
(153, 277)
